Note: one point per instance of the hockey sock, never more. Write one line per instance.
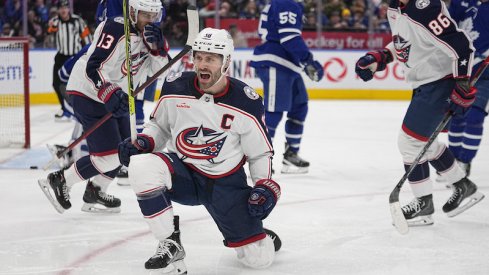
(103, 180)
(445, 164)
(455, 134)
(139, 115)
(158, 212)
(419, 180)
(294, 126)
(472, 135)
(82, 169)
(272, 119)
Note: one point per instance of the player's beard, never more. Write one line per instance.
(211, 81)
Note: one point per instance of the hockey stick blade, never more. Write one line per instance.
(193, 23)
(398, 219)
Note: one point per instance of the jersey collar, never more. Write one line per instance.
(218, 95)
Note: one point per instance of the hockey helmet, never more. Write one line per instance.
(153, 6)
(214, 41)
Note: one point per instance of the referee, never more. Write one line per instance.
(71, 33)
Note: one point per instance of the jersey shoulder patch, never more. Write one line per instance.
(178, 83)
(245, 98)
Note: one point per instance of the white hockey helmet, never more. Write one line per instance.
(214, 41)
(153, 6)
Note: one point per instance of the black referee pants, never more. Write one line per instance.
(59, 60)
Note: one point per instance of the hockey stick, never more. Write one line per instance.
(127, 38)
(398, 218)
(193, 30)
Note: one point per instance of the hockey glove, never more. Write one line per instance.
(115, 99)
(143, 144)
(462, 96)
(372, 62)
(263, 198)
(154, 40)
(313, 69)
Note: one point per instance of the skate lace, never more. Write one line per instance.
(164, 249)
(66, 192)
(414, 205)
(106, 196)
(454, 196)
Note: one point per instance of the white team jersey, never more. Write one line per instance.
(427, 42)
(212, 134)
(105, 61)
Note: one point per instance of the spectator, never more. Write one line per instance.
(34, 29)
(250, 11)
(42, 11)
(239, 39)
(7, 30)
(178, 35)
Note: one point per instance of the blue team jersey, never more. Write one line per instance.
(473, 17)
(280, 29)
(108, 9)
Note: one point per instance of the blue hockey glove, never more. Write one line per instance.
(154, 40)
(115, 99)
(462, 96)
(313, 69)
(143, 144)
(263, 198)
(372, 62)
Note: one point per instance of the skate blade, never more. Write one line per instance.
(292, 169)
(43, 183)
(123, 182)
(421, 221)
(175, 268)
(97, 208)
(472, 200)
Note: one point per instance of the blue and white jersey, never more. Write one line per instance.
(105, 61)
(473, 17)
(427, 42)
(280, 29)
(65, 71)
(212, 134)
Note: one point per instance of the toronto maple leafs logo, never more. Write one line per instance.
(402, 48)
(200, 143)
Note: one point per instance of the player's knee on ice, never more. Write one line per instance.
(148, 172)
(259, 254)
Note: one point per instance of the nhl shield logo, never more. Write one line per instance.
(421, 4)
(251, 93)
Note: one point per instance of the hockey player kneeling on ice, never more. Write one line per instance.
(210, 125)
(437, 59)
(98, 86)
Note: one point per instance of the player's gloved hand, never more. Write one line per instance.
(372, 62)
(154, 40)
(313, 69)
(263, 198)
(462, 96)
(115, 99)
(143, 144)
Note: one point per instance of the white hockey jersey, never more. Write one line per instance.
(105, 61)
(212, 134)
(427, 42)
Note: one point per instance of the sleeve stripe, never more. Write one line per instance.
(294, 30)
(287, 38)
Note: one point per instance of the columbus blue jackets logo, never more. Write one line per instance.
(402, 48)
(137, 61)
(200, 143)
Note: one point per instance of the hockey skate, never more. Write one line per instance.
(465, 167)
(64, 161)
(418, 211)
(169, 255)
(56, 184)
(464, 196)
(292, 163)
(277, 243)
(62, 116)
(98, 201)
(123, 177)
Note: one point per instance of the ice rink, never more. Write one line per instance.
(334, 220)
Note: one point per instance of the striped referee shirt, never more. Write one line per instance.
(71, 35)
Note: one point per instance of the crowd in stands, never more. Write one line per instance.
(336, 15)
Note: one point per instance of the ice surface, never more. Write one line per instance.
(334, 220)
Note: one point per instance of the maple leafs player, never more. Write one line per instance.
(466, 130)
(436, 57)
(98, 86)
(211, 125)
(279, 61)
